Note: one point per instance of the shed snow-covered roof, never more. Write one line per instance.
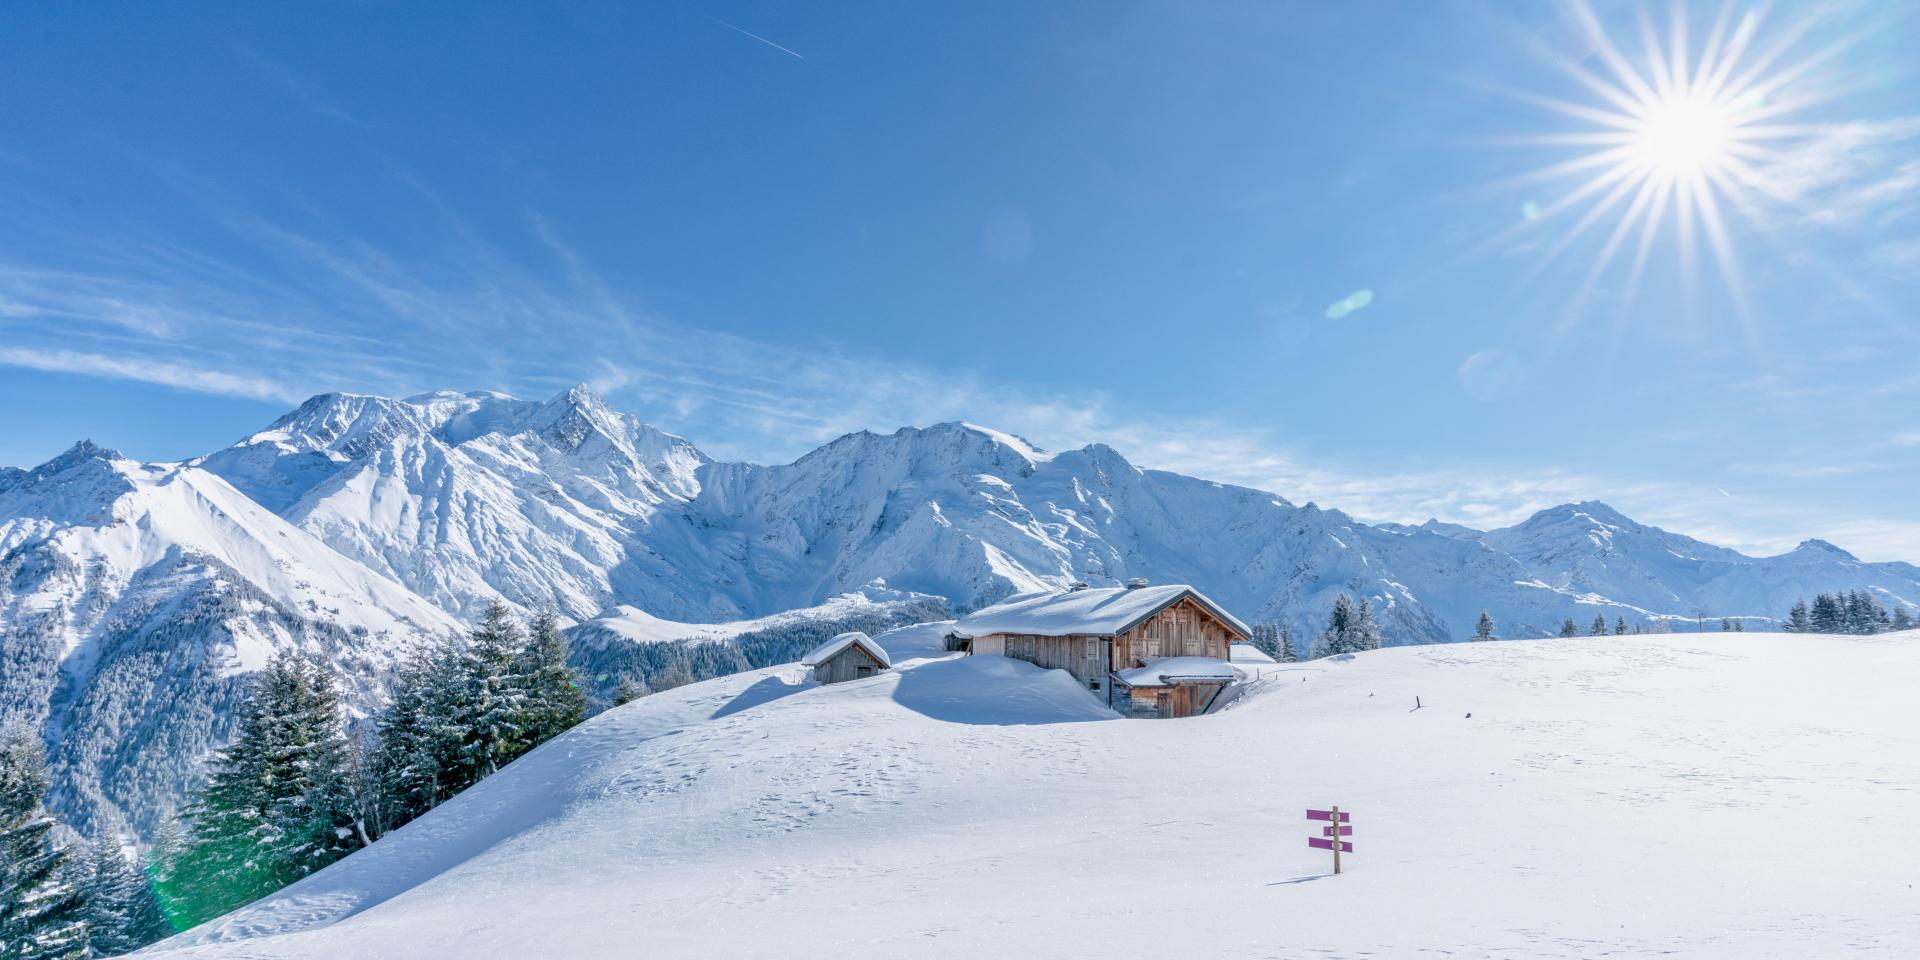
(830, 649)
(1171, 670)
(1095, 610)
(1248, 653)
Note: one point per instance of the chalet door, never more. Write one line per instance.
(1182, 700)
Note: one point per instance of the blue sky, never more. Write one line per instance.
(1295, 246)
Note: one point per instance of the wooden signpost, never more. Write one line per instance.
(1330, 835)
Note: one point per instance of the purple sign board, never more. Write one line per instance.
(1327, 815)
(1328, 831)
(1322, 844)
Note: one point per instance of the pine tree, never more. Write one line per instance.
(416, 747)
(1740, 625)
(274, 809)
(1620, 625)
(1287, 652)
(1726, 625)
(552, 701)
(1902, 620)
(1798, 619)
(1568, 628)
(122, 913)
(1828, 614)
(42, 914)
(493, 703)
(628, 690)
(1599, 627)
(1338, 636)
(1366, 630)
(1484, 629)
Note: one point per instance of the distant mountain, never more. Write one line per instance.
(360, 525)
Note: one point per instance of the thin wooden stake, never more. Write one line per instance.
(1336, 841)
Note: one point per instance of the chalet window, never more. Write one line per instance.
(863, 671)
(1093, 684)
(1153, 647)
(1093, 649)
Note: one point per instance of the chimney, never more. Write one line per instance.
(1136, 583)
(1076, 586)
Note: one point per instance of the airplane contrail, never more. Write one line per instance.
(756, 36)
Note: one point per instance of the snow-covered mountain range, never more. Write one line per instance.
(132, 595)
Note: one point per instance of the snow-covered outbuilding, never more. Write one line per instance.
(849, 656)
(1146, 650)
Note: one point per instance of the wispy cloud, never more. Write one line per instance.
(309, 312)
(163, 373)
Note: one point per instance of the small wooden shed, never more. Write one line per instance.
(849, 656)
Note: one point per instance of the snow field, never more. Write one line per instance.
(1745, 795)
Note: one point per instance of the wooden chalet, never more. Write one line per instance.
(1145, 650)
(849, 656)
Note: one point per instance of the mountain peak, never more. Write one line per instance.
(1818, 546)
(79, 453)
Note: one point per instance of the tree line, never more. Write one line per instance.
(293, 791)
(1856, 612)
(1350, 628)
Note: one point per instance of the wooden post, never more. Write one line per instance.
(1336, 840)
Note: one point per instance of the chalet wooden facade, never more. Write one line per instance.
(1112, 640)
(849, 656)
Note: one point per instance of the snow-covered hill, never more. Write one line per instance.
(1717, 795)
(136, 597)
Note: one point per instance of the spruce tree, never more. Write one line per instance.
(1798, 618)
(274, 809)
(1620, 625)
(1568, 628)
(1828, 615)
(1726, 625)
(1287, 652)
(122, 912)
(1366, 630)
(628, 690)
(1902, 620)
(492, 705)
(42, 913)
(416, 747)
(552, 701)
(1599, 628)
(1484, 629)
(1338, 637)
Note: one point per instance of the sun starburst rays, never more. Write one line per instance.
(1670, 139)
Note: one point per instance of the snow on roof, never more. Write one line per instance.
(1094, 610)
(1248, 653)
(1169, 670)
(832, 648)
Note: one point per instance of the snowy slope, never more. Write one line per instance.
(138, 593)
(1699, 795)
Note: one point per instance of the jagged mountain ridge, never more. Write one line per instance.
(463, 497)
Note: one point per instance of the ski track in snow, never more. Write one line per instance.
(1719, 795)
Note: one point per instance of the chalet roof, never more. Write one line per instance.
(832, 648)
(1166, 671)
(1096, 611)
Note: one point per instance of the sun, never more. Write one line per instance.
(1678, 139)
(1684, 136)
